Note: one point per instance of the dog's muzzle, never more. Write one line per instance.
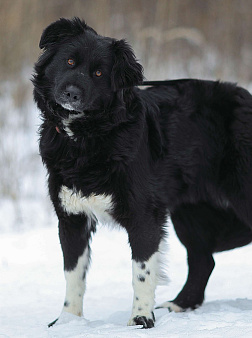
(70, 98)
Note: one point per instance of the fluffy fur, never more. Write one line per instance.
(183, 149)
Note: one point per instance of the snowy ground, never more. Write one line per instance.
(32, 290)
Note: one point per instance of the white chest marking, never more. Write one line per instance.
(94, 206)
(71, 118)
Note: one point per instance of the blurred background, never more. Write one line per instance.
(210, 39)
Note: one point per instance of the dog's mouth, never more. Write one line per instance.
(68, 106)
(61, 111)
(73, 107)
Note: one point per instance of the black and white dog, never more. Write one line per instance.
(115, 153)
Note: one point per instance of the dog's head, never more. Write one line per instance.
(81, 70)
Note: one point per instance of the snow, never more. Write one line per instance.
(32, 290)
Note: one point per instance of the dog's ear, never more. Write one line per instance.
(62, 29)
(126, 71)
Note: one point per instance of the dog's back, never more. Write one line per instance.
(205, 130)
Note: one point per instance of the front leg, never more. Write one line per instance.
(144, 281)
(145, 273)
(75, 232)
(76, 285)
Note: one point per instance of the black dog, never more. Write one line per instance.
(117, 153)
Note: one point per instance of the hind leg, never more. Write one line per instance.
(203, 230)
(194, 226)
(192, 294)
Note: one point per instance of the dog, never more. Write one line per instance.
(117, 153)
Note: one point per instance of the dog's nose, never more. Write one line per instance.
(72, 93)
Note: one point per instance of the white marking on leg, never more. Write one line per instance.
(145, 277)
(97, 207)
(76, 285)
(170, 306)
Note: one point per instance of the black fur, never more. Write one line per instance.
(183, 149)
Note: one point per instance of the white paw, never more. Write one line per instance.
(171, 307)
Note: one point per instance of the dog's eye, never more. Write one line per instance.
(71, 62)
(98, 73)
